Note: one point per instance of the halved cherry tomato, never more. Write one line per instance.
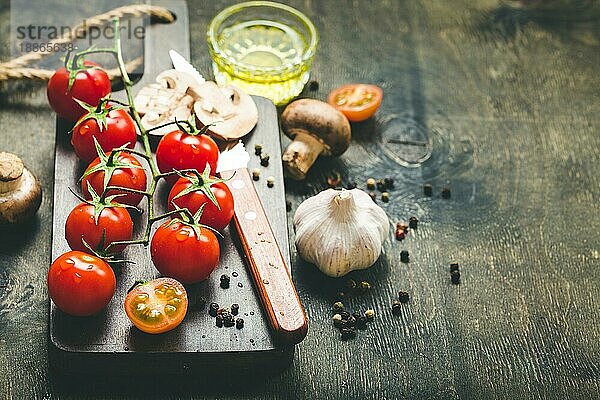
(157, 306)
(112, 128)
(180, 150)
(122, 175)
(113, 222)
(194, 192)
(184, 253)
(90, 86)
(81, 284)
(357, 101)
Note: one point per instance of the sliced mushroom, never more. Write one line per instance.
(20, 191)
(233, 112)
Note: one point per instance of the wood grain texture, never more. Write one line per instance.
(510, 103)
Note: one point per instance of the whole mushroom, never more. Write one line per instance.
(20, 191)
(316, 128)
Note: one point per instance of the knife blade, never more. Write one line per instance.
(181, 64)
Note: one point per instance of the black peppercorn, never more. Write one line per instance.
(428, 190)
(356, 315)
(235, 309)
(348, 333)
(403, 296)
(255, 174)
(228, 321)
(239, 323)
(455, 277)
(212, 309)
(361, 322)
(264, 160)
(351, 284)
(225, 280)
(364, 285)
(385, 197)
(413, 222)
(396, 307)
(337, 320)
(404, 256)
(345, 315)
(219, 321)
(338, 306)
(351, 321)
(453, 267)
(370, 314)
(446, 193)
(389, 183)
(381, 185)
(351, 185)
(313, 86)
(373, 196)
(257, 149)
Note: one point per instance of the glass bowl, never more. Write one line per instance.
(264, 48)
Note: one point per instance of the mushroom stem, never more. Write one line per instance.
(301, 154)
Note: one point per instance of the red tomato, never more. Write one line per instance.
(118, 131)
(115, 222)
(157, 306)
(179, 253)
(356, 101)
(179, 150)
(80, 284)
(90, 86)
(132, 178)
(213, 216)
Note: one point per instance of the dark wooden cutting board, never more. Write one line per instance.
(108, 341)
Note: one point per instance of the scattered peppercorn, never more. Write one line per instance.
(381, 185)
(400, 235)
(364, 285)
(212, 309)
(370, 183)
(402, 226)
(239, 323)
(348, 333)
(385, 197)
(455, 277)
(257, 149)
(313, 86)
(351, 185)
(334, 181)
(225, 280)
(373, 196)
(256, 174)
(446, 193)
(453, 267)
(403, 296)
(351, 284)
(235, 309)
(389, 183)
(413, 222)
(219, 321)
(337, 320)
(351, 321)
(264, 160)
(428, 190)
(271, 181)
(338, 306)
(370, 314)
(396, 307)
(228, 321)
(345, 315)
(404, 256)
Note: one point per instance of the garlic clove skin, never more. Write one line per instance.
(340, 231)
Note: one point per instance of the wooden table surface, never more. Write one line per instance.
(510, 102)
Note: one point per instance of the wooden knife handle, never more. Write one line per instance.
(267, 266)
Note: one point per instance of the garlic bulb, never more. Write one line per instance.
(340, 231)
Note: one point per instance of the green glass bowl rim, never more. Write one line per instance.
(236, 8)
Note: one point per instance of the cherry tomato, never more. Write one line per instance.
(179, 150)
(216, 217)
(119, 130)
(157, 306)
(80, 284)
(127, 177)
(178, 252)
(114, 222)
(90, 86)
(356, 101)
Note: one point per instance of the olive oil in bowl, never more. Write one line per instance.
(263, 55)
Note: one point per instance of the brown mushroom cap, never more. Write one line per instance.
(20, 191)
(321, 121)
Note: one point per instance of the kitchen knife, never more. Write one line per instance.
(267, 266)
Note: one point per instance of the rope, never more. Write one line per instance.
(16, 68)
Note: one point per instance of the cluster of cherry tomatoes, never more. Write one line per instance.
(184, 248)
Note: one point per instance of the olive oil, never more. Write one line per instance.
(264, 58)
